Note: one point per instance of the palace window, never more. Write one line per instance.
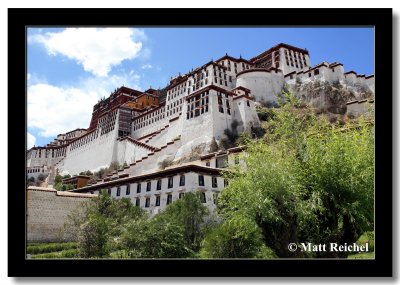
(118, 191)
(208, 163)
(201, 180)
(158, 198)
(148, 187)
(147, 202)
(109, 191)
(214, 182)
(159, 184)
(182, 180)
(181, 195)
(316, 72)
(169, 199)
(139, 188)
(137, 202)
(248, 103)
(128, 189)
(170, 182)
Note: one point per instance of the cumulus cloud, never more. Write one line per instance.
(31, 140)
(55, 109)
(96, 49)
(146, 66)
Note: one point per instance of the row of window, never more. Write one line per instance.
(295, 58)
(107, 123)
(214, 184)
(82, 141)
(197, 105)
(169, 199)
(244, 66)
(37, 170)
(149, 119)
(38, 153)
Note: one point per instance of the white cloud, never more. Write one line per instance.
(97, 49)
(146, 66)
(31, 140)
(54, 109)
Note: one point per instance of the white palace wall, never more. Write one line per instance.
(265, 85)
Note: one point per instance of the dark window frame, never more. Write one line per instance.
(201, 180)
(170, 182)
(214, 182)
(182, 180)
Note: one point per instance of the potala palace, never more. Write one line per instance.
(141, 130)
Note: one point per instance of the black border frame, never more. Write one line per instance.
(381, 19)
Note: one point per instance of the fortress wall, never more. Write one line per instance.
(47, 211)
(92, 155)
(151, 163)
(129, 152)
(159, 139)
(245, 115)
(265, 86)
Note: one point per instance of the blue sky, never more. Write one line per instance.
(70, 69)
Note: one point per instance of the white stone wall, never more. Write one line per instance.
(93, 155)
(149, 123)
(265, 86)
(245, 113)
(40, 157)
(151, 162)
(129, 152)
(358, 108)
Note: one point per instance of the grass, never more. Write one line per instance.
(367, 237)
(364, 255)
(68, 253)
(42, 248)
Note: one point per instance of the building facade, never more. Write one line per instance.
(141, 130)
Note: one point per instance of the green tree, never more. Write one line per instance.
(188, 212)
(98, 225)
(269, 192)
(58, 179)
(155, 238)
(237, 237)
(306, 180)
(41, 177)
(339, 168)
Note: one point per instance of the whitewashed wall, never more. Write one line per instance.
(265, 86)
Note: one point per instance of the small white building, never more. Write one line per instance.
(154, 191)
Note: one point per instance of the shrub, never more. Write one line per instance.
(237, 237)
(165, 163)
(213, 145)
(50, 247)
(68, 253)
